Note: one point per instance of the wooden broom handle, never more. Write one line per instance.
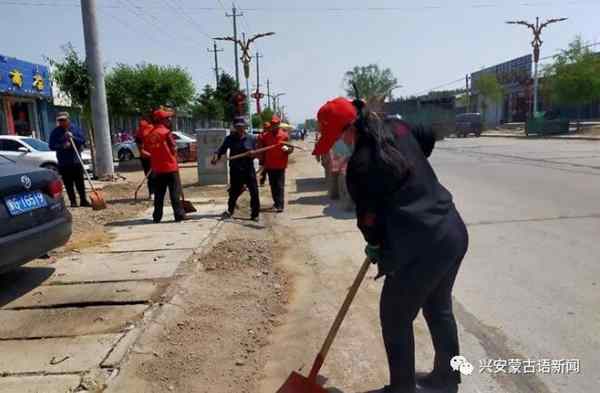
(74, 146)
(338, 320)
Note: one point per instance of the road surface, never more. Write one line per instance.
(529, 289)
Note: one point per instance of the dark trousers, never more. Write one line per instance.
(277, 183)
(239, 179)
(162, 181)
(427, 283)
(72, 176)
(146, 165)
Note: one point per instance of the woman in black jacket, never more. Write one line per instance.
(413, 231)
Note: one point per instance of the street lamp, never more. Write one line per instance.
(246, 59)
(392, 89)
(275, 98)
(536, 44)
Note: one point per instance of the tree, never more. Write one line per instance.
(311, 124)
(265, 116)
(141, 88)
(488, 87)
(227, 88)
(207, 106)
(574, 77)
(374, 84)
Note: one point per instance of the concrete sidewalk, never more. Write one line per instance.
(521, 135)
(67, 325)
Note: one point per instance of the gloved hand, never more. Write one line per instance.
(373, 252)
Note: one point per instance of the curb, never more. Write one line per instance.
(565, 138)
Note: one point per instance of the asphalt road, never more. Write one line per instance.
(528, 293)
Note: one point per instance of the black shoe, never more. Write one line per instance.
(85, 203)
(279, 209)
(255, 219)
(226, 215)
(389, 389)
(438, 384)
(74, 204)
(157, 220)
(180, 219)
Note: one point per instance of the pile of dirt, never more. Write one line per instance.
(89, 226)
(229, 311)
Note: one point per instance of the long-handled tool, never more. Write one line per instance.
(96, 198)
(144, 180)
(297, 383)
(252, 152)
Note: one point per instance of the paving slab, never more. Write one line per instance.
(120, 350)
(40, 384)
(64, 322)
(55, 355)
(117, 267)
(82, 294)
(132, 242)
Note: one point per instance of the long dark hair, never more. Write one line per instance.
(371, 129)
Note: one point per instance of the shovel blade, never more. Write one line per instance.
(296, 383)
(97, 200)
(188, 207)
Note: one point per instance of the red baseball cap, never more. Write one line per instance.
(333, 118)
(162, 114)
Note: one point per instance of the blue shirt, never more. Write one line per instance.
(66, 155)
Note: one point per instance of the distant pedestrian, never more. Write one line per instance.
(413, 232)
(276, 161)
(69, 166)
(145, 127)
(242, 172)
(160, 144)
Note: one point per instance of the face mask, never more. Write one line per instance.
(343, 149)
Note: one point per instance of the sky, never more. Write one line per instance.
(425, 44)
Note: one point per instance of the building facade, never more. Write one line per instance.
(515, 77)
(25, 96)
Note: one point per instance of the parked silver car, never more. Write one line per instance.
(34, 152)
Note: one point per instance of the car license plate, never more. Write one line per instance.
(25, 202)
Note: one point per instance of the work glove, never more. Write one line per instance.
(373, 252)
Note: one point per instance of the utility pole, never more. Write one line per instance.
(536, 44)
(468, 92)
(103, 165)
(215, 50)
(269, 94)
(234, 15)
(259, 95)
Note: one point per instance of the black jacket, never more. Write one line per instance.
(237, 145)
(403, 215)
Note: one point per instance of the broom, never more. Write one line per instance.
(96, 198)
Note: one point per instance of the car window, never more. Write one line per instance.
(36, 144)
(10, 145)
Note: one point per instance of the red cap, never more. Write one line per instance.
(333, 118)
(275, 120)
(162, 114)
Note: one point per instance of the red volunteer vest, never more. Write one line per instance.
(158, 143)
(275, 158)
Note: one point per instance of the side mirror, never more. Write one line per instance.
(24, 150)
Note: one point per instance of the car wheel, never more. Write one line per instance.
(52, 167)
(125, 155)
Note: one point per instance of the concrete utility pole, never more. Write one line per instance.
(259, 95)
(234, 15)
(103, 159)
(468, 92)
(215, 50)
(269, 94)
(536, 44)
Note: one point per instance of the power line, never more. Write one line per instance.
(176, 5)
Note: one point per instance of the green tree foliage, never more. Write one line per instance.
(311, 124)
(227, 88)
(488, 87)
(139, 89)
(71, 76)
(374, 84)
(208, 106)
(265, 116)
(574, 77)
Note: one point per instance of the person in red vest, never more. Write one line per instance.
(144, 128)
(276, 161)
(160, 144)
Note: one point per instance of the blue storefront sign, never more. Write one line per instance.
(21, 78)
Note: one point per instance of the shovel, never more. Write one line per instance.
(297, 383)
(96, 198)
